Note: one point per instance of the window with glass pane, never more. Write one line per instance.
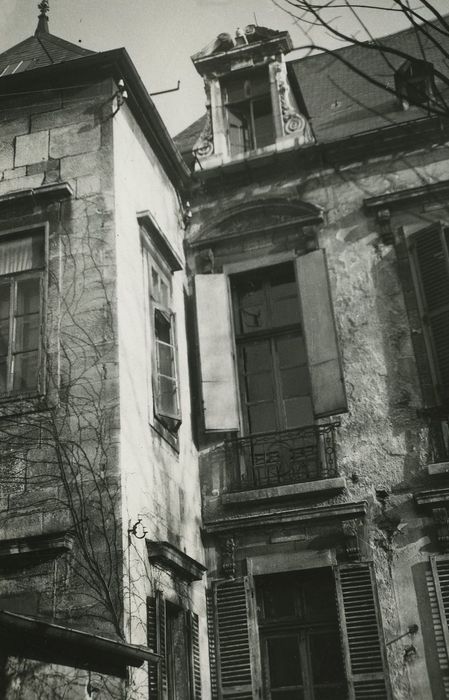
(272, 360)
(300, 641)
(249, 111)
(166, 394)
(22, 260)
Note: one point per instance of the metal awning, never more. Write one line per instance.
(34, 638)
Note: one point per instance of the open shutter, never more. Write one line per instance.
(325, 368)
(157, 672)
(238, 651)
(195, 664)
(362, 636)
(212, 644)
(216, 353)
(430, 267)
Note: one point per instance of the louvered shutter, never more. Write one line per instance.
(438, 590)
(362, 636)
(195, 664)
(215, 338)
(157, 672)
(238, 651)
(212, 645)
(328, 390)
(430, 266)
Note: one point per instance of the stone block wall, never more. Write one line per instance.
(63, 444)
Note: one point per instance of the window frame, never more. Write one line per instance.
(250, 140)
(40, 273)
(153, 261)
(271, 334)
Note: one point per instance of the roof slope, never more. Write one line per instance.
(42, 49)
(342, 103)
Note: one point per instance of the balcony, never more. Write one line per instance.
(281, 464)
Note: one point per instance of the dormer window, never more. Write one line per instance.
(249, 112)
(414, 82)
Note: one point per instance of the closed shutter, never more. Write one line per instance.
(195, 664)
(437, 588)
(362, 636)
(157, 672)
(430, 266)
(325, 368)
(212, 644)
(238, 653)
(215, 337)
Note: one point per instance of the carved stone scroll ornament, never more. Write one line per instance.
(351, 534)
(294, 122)
(204, 145)
(228, 546)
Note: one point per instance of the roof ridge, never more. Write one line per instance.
(361, 44)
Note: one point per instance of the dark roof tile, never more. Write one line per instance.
(38, 51)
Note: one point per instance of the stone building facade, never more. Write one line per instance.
(319, 261)
(223, 430)
(101, 557)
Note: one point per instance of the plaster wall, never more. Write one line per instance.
(382, 441)
(160, 482)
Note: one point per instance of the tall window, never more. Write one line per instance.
(22, 261)
(249, 111)
(164, 360)
(272, 361)
(300, 637)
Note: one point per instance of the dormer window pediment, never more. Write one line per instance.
(251, 105)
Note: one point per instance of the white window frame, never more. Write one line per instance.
(166, 423)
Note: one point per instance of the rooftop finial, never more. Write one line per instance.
(42, 25)
(44, 7)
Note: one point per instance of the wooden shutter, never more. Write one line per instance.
(195, 664)
(216, 353)
(362, 637)
(430, 267)
(157, 672)
(238, 651)
(328, 391)
(211, 631)
(438, 589)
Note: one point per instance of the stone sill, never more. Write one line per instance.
(309, 488)
(438, 469)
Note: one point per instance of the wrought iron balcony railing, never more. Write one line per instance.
(288, 457)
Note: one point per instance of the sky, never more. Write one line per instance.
(161, 35)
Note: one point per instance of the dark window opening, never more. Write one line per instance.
(272, 360)
(414, 82)
(22, 262)
(249, 111)
(300, 637)
(178, 668)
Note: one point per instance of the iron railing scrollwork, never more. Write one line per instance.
(286, 457)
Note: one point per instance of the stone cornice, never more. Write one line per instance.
(339, 511)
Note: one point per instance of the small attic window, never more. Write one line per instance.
(414, 82)
(248, 110)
